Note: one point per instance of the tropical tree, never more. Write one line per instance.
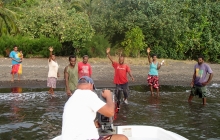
(7, 21)
(133, 42)
(52, 19)
(86, 6)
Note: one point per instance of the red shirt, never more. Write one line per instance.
(84, 69)
(120, 73)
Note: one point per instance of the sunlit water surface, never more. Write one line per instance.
(33, 114)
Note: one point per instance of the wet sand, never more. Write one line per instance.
(177, 73)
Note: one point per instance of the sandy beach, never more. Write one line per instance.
(173, 72)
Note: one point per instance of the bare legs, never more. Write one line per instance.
(191, 97)
(204, 101)
(18, 77)
(12, 77)
(51, 91)
(152, 90)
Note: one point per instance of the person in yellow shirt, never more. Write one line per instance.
(20, 55)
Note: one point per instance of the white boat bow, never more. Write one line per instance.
(142, 132)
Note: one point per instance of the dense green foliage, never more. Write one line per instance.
(96, 47)
(7, 21)
(134, 42)
(177, 29)
(29, 46)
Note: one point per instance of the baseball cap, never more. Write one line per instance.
(87, 79)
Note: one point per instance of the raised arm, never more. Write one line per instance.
(108, 54)
(51, 50)
(120, 53)
(148, 55)
(66, 77)
(159, 66)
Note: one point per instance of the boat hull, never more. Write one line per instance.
(141, 132)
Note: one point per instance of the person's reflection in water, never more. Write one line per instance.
(52, 104)
(16, 116)
(194, 117)
(154, 101)
(51, 113)
(154, 107)
(16, 90)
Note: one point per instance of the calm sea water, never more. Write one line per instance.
(32, 114)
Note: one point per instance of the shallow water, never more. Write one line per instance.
(34, 114)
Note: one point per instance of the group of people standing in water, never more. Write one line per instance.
(75, 70)
(80, 110)
(72, 72)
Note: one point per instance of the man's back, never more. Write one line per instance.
(79, 115)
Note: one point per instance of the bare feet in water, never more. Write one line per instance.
(51, 91)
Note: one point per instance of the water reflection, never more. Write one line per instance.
(34, 114)
(154, 108)
(16, 111)
(16, 90)
(154, 101)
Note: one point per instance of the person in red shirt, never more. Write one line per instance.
(84, 68)
(120, 77)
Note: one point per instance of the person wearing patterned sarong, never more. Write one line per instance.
(16, 61)
(53, 72)
(153, 79)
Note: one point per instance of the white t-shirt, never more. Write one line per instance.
(53, 69)
(79, 115)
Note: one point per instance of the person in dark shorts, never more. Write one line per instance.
(199, 81)
(120, 77)
(153, 79)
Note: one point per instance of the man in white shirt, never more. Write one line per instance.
(80, 112)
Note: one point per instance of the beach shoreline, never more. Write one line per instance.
(174, 73)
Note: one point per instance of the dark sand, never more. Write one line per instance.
(178, 73)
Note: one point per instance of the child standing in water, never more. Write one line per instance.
(153, 79)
